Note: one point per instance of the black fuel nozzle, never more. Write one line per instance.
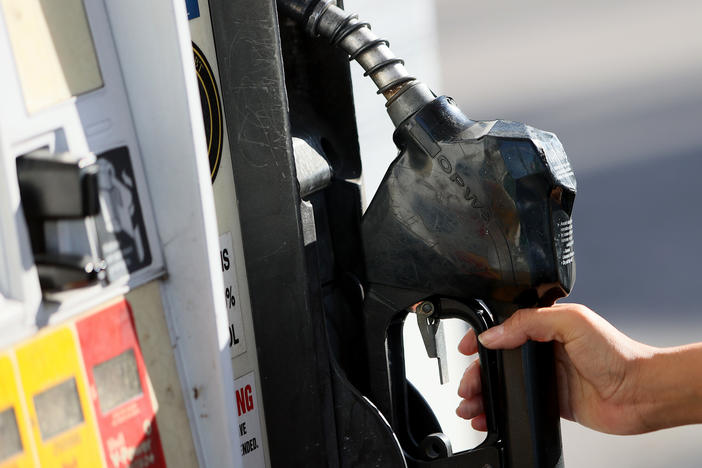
(482, 207)
(474, 219)
(507, 179)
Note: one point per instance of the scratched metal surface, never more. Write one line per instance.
(256, 111)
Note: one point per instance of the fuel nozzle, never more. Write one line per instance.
(466, 190)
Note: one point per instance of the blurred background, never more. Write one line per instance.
(620, 83)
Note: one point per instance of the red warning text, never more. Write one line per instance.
(244, 400)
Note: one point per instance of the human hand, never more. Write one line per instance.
(598, 368)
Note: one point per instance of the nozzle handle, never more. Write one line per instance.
(529, 415)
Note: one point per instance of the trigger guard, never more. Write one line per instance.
(473, 311)
(478, 316)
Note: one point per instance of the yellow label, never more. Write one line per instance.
(16, 446)
(63, 424)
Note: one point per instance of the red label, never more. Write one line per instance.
(119, 390)
(244, 400)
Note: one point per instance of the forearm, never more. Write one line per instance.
(670, 387)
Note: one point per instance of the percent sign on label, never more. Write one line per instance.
(229, 298)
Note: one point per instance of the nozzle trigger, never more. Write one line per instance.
(432, 331)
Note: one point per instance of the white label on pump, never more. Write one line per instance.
(249, 423)
(231, 295)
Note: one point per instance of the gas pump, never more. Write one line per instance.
(114, 342)
(188, 277)
(472, 220)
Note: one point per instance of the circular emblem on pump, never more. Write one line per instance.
(211, 109)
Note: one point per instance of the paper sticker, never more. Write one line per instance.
(231, 295)
(251, 443)
(58, 401)
(193, 9)
(119, 389)
(16, 447)
(121, 227)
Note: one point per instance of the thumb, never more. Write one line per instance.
(538, 324)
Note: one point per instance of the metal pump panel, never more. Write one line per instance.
(113, 341)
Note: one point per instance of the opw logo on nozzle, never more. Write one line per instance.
(469, 195)
(431, 148)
